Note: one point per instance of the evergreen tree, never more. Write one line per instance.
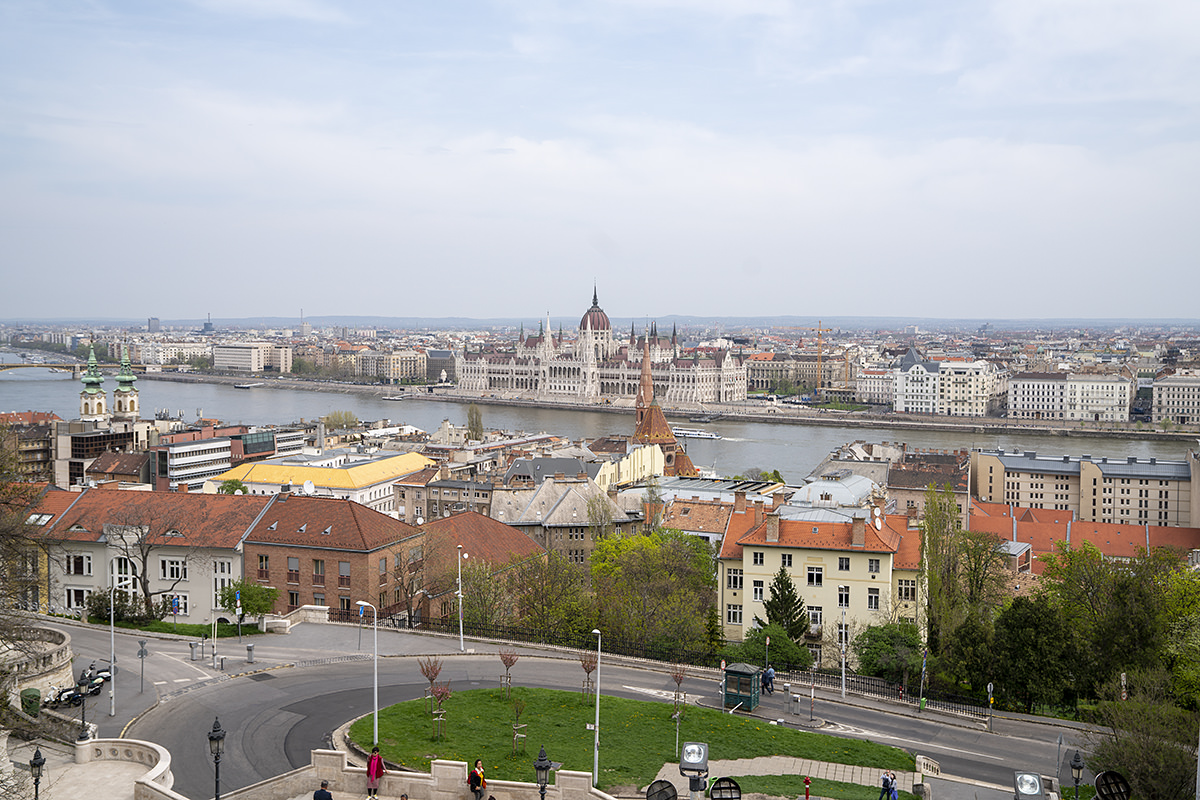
(785, 607)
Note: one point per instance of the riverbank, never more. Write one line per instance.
(750, 411)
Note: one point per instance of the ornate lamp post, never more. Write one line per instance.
(81, 689)
(38, 763)
(1077, 771)
(375, 721)
(461, 556)
(596, 747)
(216, 746)
(542, 768)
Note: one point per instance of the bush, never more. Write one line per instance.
(126, 609)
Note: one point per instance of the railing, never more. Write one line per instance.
(293, 576)
(318, 579)
(886, 690)
(264, 574)
(343, 581)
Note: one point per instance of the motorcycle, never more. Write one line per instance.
(103, 672)
(60, 695)
(92, 680)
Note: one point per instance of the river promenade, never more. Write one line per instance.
(753, 410)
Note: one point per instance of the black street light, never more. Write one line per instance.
(81, 689)
(36, 765)
(542, 768)
(216, 745)
(1077, 771)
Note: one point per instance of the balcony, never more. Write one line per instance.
(293, 576)
(264, 574)
(343, 581)
(318, 579)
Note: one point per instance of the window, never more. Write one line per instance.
(222, 577)
(172, 569)
(785, 560)
(318, 572)
(816, 576)
(318, 599)
(383, 566)
(907, 591)
(79, 564)
(758, 591)
(733, 614)
(344, 603)
(814, 618)
(872, 565)
(344, 574)
(293, 600)
(76, 599)
(843, 563)
(758, 558)
(843, 633)
(733, 579)
(264, 567)
(293, 572)
(843, 597)
(873, 599)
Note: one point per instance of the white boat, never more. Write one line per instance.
(247, 385)
(394, 397)
(695, 433)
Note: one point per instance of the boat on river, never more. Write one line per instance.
(695, 433)
(248, 385)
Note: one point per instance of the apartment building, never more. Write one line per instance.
(1177, 398)
(393, 367)
(1123, 491)
(952, 388)
(1071, 396)
(252, 357)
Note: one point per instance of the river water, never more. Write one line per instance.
(792, 449)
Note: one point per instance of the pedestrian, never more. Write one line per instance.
(375, 771)
(770, 679)
(885, 792)
(895, 793)
(476, 780)
(323, 792)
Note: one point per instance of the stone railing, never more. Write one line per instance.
(49, 663)
(156, 759)
(446, 780)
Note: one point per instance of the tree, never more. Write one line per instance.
(147, 530)
(474, 423)
(340, 420)
(256, 599)
(232, 486)
(893, 651)
(785, 607)
(549, 594)
(600, 513)
(1146, 738)
(783, 651)
(756, 474)
(652, 501)
(969, 652)
(485, 595)
(1032, 647)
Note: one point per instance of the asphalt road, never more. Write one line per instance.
(276, 717)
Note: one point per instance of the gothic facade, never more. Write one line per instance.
(599, 366)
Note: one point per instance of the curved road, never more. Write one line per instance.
(276, 717)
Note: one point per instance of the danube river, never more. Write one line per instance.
(792, 449)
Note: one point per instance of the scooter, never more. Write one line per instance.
(58, 696)
(103, 672)
(92, 680)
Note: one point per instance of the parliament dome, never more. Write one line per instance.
(595, 319)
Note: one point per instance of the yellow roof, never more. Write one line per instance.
(354, 476)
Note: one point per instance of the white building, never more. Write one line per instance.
(1177, 398)
(952, 388)
(1071, 396)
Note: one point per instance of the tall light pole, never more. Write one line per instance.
(216, 746)
(842, 640)
(375, 721)
(596, 747)
(461, 556)
(112, 647)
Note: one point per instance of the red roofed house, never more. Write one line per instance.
(866, 570)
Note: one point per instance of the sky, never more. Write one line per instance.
(1015, 159)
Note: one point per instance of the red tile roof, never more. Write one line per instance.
(327, 522)
(482, 537)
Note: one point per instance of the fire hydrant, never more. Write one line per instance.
(807, 783)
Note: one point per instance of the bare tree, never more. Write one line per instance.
(588, 660)
(147, 529)
(508, 658)
(678, 673)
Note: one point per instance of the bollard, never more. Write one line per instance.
(193, 646)
(250, 653)
(222, 663)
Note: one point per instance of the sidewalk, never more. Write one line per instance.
(786, 765)
(63, 778)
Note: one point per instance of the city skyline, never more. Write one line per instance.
(692, 157)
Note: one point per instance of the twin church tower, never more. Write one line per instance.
(93, 402)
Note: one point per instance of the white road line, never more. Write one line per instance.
(185, 663)
(660, 693)
(183, 680)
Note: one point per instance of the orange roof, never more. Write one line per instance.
(482, 537)
(327, 522)
(28, 417)
(894, 537)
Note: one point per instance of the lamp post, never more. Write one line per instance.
(1077, 771)
(461, 556)
(375, 721)
(596, 747)
(842, 642)
(81, 688)
(216, 745)
(36, 765)
(542, 768)
(112, 649)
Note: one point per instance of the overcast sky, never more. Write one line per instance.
(175, 158)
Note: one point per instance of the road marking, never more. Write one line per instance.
(874, 735)
(160, 683)
(185, 662)
(183, 680)
(660, 693)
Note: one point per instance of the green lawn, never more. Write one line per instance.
(636, 737)
(224, 630)
(793, 786)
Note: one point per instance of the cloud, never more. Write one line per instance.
(306, 10)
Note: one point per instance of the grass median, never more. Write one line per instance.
(636, 737)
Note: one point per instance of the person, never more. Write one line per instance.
(375, 771)
(476, 780)
(895, 792)
(323, 792)
(770, 673)
(885, 792)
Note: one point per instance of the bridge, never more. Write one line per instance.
(75, 368)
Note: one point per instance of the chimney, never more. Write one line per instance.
(772, 527)
(443, 472)
(739, 502)
(776, 501)
(758, 513)
(858, 531)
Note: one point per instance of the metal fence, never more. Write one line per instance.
(885, 690)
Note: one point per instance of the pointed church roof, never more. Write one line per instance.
(91, 377)
(125, 376)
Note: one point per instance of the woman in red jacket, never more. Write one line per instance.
(375, 771)
(476, 781)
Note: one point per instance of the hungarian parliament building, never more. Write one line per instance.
(598, 367)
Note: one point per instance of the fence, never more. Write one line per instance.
(884, 690)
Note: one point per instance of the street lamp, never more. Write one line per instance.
(36, 765)
(375, 721)
(216, 745)
(81, 689)
(461, 556)
(596, 748)
(1077, 771)
(842, 640)
(542, 768)
(693, 765)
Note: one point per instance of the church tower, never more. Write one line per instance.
(652, 426)
(93, 403)
(125, 396)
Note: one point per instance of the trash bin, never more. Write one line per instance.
(250, 653)
(922, 703)
(193, 646)
(31, 701)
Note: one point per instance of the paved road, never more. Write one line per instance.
(276, 717)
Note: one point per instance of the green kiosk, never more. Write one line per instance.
(743, 686)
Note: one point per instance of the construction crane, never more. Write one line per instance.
(820, 351)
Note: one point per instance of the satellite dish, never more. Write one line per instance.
(238, 491)
(420, 520)
(309, 488)
(877, 511)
